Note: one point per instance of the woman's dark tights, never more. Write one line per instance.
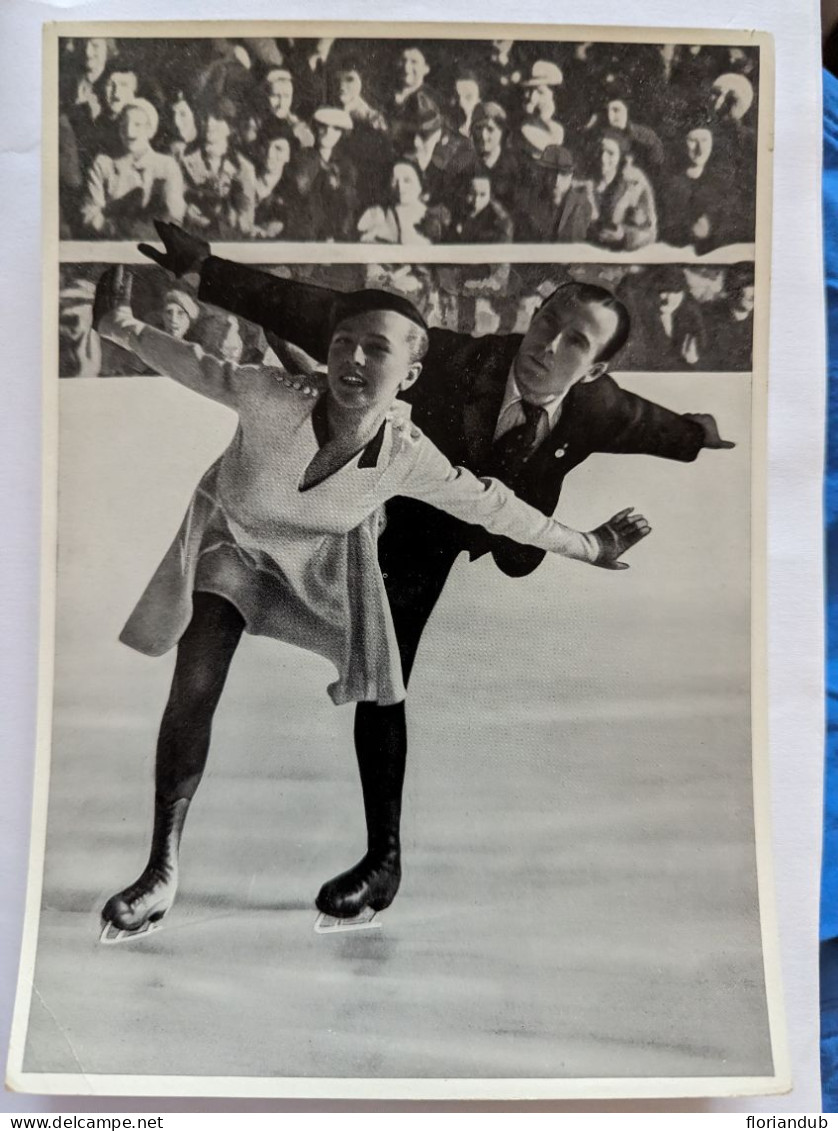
(203, 661)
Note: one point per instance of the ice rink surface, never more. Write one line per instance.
(579, 896)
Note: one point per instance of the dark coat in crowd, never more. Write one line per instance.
(492, 225)
(323, 198)
(445, 177)
(506, 177)
(656, 347)
(566, 222)
(688, 199)
(731, 343)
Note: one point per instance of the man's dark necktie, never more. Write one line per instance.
(511, 451)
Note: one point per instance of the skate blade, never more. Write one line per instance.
(327, 924)
(112, 935)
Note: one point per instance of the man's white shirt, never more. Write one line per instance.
(511, 413)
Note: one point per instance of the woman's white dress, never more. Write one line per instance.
(301, 565)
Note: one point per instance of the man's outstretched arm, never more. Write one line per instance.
(627, 423)
(292, 311)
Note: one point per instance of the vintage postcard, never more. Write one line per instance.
(402, 721)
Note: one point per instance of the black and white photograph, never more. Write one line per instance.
(402, 721)
(684, 317)
(622, 146)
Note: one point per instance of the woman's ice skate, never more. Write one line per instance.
(139, 908)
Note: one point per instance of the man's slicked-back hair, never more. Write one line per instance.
(593, 295)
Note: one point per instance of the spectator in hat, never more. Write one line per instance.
(279, 93)
(220, 182)
(539, 127)
(625, 212)
(495, 157)
(323, 183)
(696, 212)
(562, 207)
(79, 346)
(484, 219)
(405, 217)
(179, 314)
(443, 157)
(732, 97)
(124, 194)
(81, 351)
(272, 153)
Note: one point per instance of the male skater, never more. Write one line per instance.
(526, 409)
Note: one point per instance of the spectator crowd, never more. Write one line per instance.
(683, 318)
(409, 142)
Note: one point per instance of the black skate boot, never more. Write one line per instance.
(380, 740)
(144, 903)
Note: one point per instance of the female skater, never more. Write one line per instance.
(280, 536)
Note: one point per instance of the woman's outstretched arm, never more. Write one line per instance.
(430, 477)
(185, 362)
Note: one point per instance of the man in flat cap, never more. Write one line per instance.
(539, 127)
(561, 208)
(526, 409)
(442, 156)
(324, 204)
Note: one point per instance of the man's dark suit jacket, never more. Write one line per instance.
(456, 402)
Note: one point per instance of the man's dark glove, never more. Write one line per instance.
(112, 291)
(183, 251)
(617, 535)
